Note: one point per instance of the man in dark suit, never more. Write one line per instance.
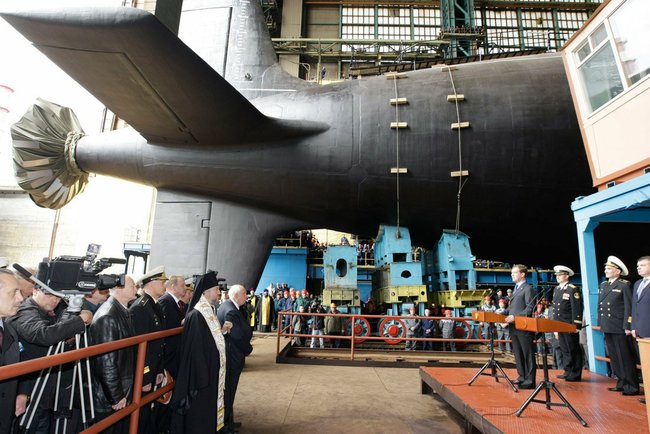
(614, 319)
(238, 346)
(173, 307)
(10, 299)
(641, 301)
(521, 304)
(149, 318)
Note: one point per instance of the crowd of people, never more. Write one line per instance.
(206, 360)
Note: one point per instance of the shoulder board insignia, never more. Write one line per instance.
(571, 285)
(627, 282)
(576, 295)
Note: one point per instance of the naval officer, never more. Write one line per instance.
(614, 318)
(568, 308)
(148, 317)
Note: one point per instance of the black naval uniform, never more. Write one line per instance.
(568, 307)
(148, 318)
(614, 318)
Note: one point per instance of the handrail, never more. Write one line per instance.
(137, 401)
(353, 336)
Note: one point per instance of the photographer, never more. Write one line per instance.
(39, 325)
(113, 372)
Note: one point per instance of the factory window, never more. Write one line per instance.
(341, 267)
(600, 76)
(399, 257)
(631, 34)
(616, 54)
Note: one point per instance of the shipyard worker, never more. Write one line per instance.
(428, 329)
(10, 299)
(487, 306)
(149, 318)
(448, 327)
(299, 326)
(508, 295)
(614, 318)
(334, 326)
(412, 329)
(113, 372)
(265, 312)
(278, 304)
(503, 328)
(317, 324)
(40, 325)
(522, 304)
(198, 401)
(568, 308)
(238, 346)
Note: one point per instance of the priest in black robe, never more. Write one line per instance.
(198, 399)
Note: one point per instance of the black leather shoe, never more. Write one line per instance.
(526, 386)
(630, 393)
(642, 400)
(573, 379)
(615, 389)
(517, 381)
(562, 376)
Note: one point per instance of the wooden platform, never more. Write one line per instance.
(490, 406)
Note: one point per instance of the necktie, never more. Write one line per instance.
(2, 337)
(642, 286)
(181, 306)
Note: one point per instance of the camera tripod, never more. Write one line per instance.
(492, 363)
(77, 385)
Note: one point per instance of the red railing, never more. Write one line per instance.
(353, 337)
(137, 400)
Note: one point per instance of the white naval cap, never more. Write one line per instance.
(613, 261)
(157, 273)
(562, 269)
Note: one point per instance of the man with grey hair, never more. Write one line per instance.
(26, 286)
(10, 299)
(113, 372)
(238, 346)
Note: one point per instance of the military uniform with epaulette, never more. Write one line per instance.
(568, 307)
(614, 318)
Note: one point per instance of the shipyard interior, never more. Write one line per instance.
(276, 216)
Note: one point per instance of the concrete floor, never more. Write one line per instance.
(299, 399)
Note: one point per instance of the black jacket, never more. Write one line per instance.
(37, 331)
(9, 354)
(641, 311)
(522, 302)
(148, 318)
(568, 305)
(615, 306)
(173, 318)
(239, 338)
(112, 372)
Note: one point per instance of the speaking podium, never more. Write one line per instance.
(491, 318)
(545, 325)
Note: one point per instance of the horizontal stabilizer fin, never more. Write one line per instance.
(147, 76)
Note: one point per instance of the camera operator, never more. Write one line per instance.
(10, 299)
(39, 325)
(113, 372)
